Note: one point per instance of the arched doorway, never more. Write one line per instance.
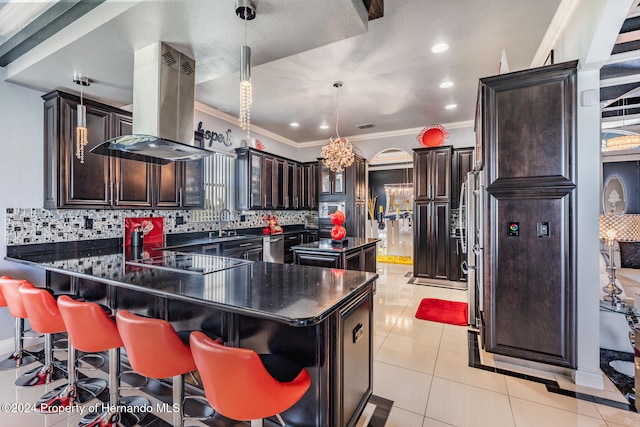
(390, 181)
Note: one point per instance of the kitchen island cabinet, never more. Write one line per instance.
(321, 318)
(350, 254)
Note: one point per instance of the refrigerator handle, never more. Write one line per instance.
(461, 219)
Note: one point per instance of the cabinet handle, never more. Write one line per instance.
(111, 200)
(118, 190)
(244, 244)
(265, 200)
(297, 205)
(180, 196)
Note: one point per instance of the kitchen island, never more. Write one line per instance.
(319, 317)
(351, 253)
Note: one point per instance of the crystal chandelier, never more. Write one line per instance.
(338, 153)
(246, 10)
(82, 135)
(628, 140)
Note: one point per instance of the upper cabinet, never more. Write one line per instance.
(432, 173)
(266, 181)
(331, 182)
(101, 181)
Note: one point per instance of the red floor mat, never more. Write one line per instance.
(438, 310)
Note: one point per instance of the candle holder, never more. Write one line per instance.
(611, 289)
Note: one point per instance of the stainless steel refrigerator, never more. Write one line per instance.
(472, 202)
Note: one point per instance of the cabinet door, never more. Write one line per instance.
(84, 184)
(431, 240)
(313, 187)
(132, 179)
(168, 185)
(192, 184)
(292, 196)
(353, 260)
(280, 184)
(369, 254)
(421, 239)
(325, 179)
(361, 180)
(432, 173)
(255, 183)
(267, 182)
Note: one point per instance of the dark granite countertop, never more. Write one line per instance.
(328, 245)
(293, 294)
(202, 238)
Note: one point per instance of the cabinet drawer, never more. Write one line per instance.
(247, 243)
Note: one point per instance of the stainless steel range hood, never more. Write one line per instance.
(163, 109)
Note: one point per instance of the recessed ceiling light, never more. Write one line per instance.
(294, 124)
(446, 84)
(439, 48)
(324, 126)
(451, 106)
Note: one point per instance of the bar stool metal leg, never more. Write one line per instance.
(20, 356)
(50, 371)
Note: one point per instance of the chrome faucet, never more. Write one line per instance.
(223, 219)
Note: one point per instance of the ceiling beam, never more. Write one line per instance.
(44, 26)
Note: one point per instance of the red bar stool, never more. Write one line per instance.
(11, 296)
(242, 385)
(157, 351)
(91, 329)
(45, 318)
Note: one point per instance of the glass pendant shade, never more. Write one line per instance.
(246, 95)
(82, 134)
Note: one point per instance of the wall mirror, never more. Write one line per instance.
(614, 196)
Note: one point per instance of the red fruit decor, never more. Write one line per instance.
(337, 218)
(338, 232)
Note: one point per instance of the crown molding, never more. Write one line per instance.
(234, 121)
(355, 138)
(391, 134)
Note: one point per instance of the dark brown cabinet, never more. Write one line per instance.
(290, 240)
(331, 182)
(529, 139)
(432, 210)
(309, 186)
(431, 240)
(249, 249)
(102, 181)
(432, 173)
(265, 181)
(348, 187)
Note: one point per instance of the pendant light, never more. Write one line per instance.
(338, 153)
(629, 140)
(82, 134)
(246, 10)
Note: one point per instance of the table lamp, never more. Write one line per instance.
(617, 227)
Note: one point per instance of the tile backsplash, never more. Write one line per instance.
(37, 225)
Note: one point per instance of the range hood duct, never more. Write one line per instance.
(163, 109)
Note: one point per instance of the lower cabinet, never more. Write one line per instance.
(360, 258)
(290, 240)
(249, 249)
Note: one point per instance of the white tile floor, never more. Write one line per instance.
(423, 368)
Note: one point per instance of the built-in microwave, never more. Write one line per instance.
(327, 208)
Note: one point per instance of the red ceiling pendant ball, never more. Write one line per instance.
(433, 136)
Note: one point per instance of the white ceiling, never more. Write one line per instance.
(299, 48)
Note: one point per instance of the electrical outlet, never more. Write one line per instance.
(243, 218)
(88, 223)
(179, 220)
